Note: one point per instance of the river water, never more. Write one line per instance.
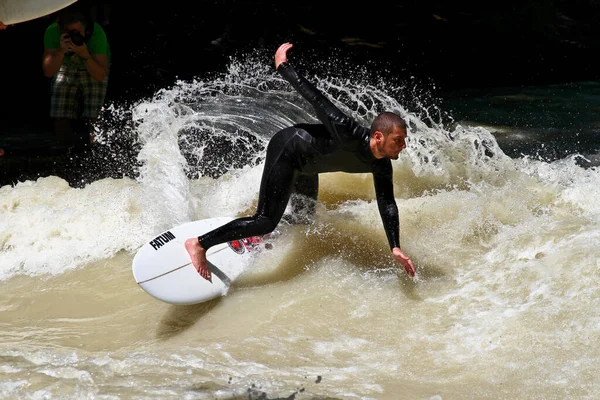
(497, 192)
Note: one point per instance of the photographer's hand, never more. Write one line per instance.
(82, 51)
(65, 43)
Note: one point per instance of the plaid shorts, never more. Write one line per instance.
(75, 94)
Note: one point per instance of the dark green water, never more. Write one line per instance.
(549, 122)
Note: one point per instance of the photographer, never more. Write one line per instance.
(77, 58)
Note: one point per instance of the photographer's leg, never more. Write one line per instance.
(82, 140)
(63, 105)
(94, 94)
(64, 132)
(81, 137)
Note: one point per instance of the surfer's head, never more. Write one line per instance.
(388, 135)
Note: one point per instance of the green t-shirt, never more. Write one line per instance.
(97, 44)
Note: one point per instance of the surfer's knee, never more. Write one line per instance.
(267, 225)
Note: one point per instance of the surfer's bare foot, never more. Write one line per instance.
(198, 256)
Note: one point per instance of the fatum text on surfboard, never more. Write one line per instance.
(161, 240)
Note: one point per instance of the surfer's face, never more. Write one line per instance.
(393, 143)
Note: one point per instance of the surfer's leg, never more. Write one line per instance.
(64, 132)
(277, 183)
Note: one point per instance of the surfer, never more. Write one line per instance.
(297, 154)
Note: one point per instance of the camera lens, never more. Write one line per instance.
(76, 37)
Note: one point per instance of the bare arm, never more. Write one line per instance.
(96, 64)
(52, 61)
(53, 58)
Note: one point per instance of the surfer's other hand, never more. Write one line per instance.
(281, 54)
(404, 260)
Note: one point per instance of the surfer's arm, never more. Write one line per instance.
(331, 116)
(320, 103)
(386, 202)
(388, 210)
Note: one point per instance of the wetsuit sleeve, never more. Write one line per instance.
(384, 191)
(336, 122)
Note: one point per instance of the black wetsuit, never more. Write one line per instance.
(295, 157)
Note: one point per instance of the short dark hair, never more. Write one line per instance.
(68, 16)
(386, 122)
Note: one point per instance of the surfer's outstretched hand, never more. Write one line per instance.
(281, 54)
(198, 257)
(404, 260)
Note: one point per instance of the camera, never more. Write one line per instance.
(76, 37)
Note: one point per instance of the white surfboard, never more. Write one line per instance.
(162, 266)
(15, 11)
